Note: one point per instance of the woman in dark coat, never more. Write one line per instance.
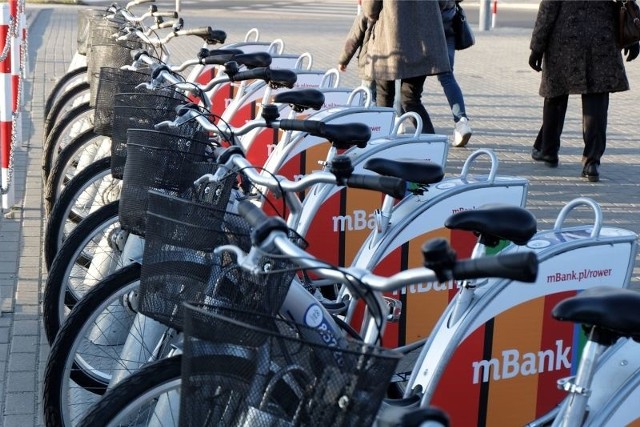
(577, 42)
(407, 43)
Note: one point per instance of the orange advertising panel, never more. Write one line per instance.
(521, 352)
(422, 304)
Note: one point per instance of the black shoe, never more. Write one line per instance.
(590, 172)
(551, 161)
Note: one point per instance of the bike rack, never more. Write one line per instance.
(581, 201)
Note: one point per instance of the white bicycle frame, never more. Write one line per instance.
(504, 341)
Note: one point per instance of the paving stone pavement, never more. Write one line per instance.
(505, 110)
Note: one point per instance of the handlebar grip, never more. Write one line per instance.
(200, 32)
(172, 15)
(522, 266)
(261, 73)
(262, 224)
(166, 24)
(310, 126)
(218, 58)
(394, 187)
(253, 214)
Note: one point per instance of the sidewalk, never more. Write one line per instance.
(501, 96)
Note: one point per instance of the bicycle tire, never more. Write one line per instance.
(65, 102)
(59, 292)
(60, 85)
(156, 378)
(70, 209)
(81, 361)
(63, 168)
(58, 138)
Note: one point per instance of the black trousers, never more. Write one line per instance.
(595, 107)
(410, 98)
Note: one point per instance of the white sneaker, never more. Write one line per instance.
(461, 133)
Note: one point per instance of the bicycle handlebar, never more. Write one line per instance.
(268, 232)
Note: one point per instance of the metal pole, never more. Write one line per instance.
(6, 126)
(484, 23)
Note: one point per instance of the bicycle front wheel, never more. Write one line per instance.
(87, 256)
(136, 400)
(81, 152)
(89, 190)
(87, 349)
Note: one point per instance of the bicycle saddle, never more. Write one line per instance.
(301, 99)
(496, 223)
(417, 171)
(614, 309)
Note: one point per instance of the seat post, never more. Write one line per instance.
(579, 386)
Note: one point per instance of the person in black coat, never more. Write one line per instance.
(574, 45)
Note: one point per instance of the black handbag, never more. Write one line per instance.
(462, 29)
(628, 23)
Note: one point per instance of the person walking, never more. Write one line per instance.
(462, 129)
(356, 42)
(574, 45)
(407, 43)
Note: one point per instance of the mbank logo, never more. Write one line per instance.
(513, 364)
(359, 220)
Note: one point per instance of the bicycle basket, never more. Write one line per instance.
(179, 264)
(243, 368)
(168, 161)
(111, 54)
(111, 82)
(140, 110)
(85, 18)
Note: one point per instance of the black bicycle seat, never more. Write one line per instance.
(418, 171)
(614, 309)
(301, 98)
(495, 223)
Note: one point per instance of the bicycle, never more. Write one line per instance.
(87, 316)
(549, 245)
(376, 321)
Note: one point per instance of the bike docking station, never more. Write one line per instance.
(260, 142)
(336, 220)
(394, 245)
(496, 354)
(303, 153)
(250, 44)
(247, 102)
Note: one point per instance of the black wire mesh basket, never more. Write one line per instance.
(86, 18)
(113, 81)
(178, 260)
(252, 369)
(168, 161)
(111, 53)
(142, 109)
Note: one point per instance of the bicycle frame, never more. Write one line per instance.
(494, 360)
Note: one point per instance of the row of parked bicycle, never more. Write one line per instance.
(225, 248)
